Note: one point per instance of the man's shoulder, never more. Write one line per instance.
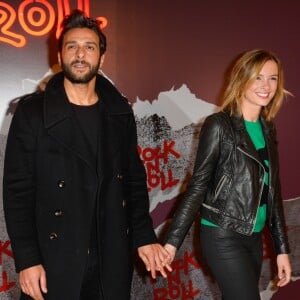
(32, 98)
(31, 103)
(114, 100)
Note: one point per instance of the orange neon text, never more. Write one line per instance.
(36, 18)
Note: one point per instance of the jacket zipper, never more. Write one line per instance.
(220, 186)
(262, 185)
(270, 196)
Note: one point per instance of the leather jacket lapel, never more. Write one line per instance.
(243, 140)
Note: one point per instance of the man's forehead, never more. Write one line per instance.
(81, 35)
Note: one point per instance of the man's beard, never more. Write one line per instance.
(85, 78)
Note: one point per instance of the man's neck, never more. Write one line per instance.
(81, 93)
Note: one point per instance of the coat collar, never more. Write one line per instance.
(244, 140)
(63, 126)
(57, 108)
(238, 124)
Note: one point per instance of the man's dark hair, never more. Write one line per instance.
(77, 19)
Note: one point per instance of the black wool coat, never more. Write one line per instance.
(51, 191)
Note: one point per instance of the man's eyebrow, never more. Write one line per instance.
(94, 43)
(76, 42)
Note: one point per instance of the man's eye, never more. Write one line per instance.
(91, 48)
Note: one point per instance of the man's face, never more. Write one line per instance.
(80, 55)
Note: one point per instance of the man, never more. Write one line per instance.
(75, 195)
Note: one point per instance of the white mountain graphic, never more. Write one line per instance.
(176, 116)
(180, 107)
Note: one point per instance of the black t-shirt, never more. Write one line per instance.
(89, 120)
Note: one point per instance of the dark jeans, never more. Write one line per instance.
(90, 289)
(235, 261)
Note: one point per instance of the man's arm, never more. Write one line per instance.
(153, 254)
(19, 198)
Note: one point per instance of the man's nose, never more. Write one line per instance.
(80, 51)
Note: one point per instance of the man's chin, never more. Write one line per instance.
(80, 79)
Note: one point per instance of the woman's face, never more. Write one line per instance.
(261, 91)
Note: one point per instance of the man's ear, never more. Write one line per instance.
(59, 58)
(101, 60)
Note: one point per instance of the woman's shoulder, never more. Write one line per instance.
(221, 118)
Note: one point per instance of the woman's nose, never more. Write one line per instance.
(265, 84)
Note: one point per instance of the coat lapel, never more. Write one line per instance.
(63, 126)
(61, 122)
(113, 125)
(271, 143)
(244, 141)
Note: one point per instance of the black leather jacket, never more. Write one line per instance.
(227, 182)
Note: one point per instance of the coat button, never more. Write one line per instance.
(53, 236)
(61, 183)
(120, 177)
(58, 213)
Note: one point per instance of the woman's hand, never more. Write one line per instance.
(172, 252)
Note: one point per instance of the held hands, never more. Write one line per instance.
(33, 282)
(155, 258)
(172, 252)
(284, 269)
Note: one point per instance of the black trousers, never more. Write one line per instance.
(90, 288)
(235, 261)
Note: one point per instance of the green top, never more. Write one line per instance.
(255, 132)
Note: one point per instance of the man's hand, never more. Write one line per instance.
(33, 282)
(155, 258)
(284, 269)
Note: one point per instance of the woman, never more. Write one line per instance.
(235, 182)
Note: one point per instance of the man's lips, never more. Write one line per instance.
(79, 65)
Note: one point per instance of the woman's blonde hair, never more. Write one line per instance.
(244, 71)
